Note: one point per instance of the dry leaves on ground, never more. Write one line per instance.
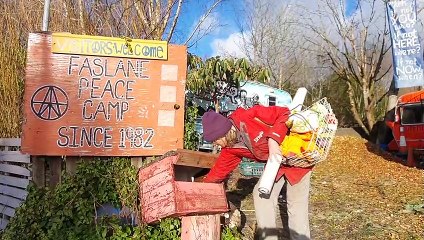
(359, 192)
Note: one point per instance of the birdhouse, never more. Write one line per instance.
(167, 188)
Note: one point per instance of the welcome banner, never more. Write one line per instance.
(406, 47)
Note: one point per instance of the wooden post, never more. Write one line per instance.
(71, 164)
(38, 171)
(196, 159)
(137, 162)
(55, 171)
(410, 160)
(203, 227)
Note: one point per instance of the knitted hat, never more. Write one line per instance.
(215, 126)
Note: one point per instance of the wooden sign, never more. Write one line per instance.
(128, 103)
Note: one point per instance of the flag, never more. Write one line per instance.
(406, 48)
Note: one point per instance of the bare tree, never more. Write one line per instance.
(270, 39)
(355, 48)
(145, 19)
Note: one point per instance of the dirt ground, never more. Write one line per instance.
(359, 192)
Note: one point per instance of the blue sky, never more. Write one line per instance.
(224, 15)
(228, 13)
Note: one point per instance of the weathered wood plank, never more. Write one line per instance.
(204, 227)
(3, 223)
(14, 156)
(12, 189)
(18, 170)
(161, 210)
(194, 197)
(14, 181)
(137, 162)
(55, 171)
(158, 203)
(13, 192)
(156, 181)
(6, 210)
(10, 142)
(163, 196)
(159, 194)
(196, 159)
(156, 168)
(10, 201)
(71, 164)
(38, 171)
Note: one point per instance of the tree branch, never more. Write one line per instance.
(202, 19)
(174, 22)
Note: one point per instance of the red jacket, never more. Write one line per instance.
(256, 125)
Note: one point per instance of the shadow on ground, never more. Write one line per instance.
(392, 157)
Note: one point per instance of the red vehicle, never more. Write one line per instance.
(408, 125)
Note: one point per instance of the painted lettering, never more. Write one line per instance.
(104, 110)
(99, 67)
(76, 137)
(137, 137)
(95, 88)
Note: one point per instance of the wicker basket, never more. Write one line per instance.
(322, 136)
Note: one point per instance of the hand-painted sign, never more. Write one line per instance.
(406, 49)
(76, 104)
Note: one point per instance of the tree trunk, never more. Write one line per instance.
(354, 109)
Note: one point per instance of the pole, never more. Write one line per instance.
(46, 15)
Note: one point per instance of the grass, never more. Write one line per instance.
(12, 65)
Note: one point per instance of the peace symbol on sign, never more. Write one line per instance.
(49, 102)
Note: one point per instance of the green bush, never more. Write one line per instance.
(191, 137)
(68, 211)
(230, 234)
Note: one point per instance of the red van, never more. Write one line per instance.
(408, 123)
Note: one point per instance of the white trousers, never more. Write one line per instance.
(267, 210)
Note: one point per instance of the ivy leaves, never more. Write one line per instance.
(230, 234)
(191, 136)
(69, 210)
(166, 229)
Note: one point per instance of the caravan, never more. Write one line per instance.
(246, 96)
(252, 93)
